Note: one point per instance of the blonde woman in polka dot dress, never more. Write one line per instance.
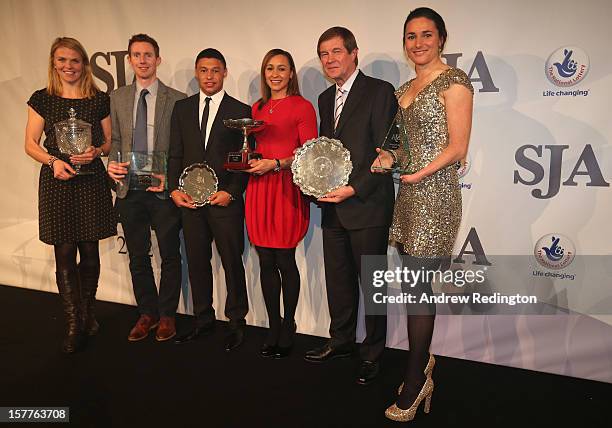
(75, 211)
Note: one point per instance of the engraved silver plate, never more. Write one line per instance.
(320, 166)
(199, 181)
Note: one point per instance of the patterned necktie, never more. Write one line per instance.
(140, 130)
(339, 105)
(205, 120)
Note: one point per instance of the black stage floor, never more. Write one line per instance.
(114, 383)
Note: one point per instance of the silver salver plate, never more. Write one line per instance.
(199, 181)
(320, 166)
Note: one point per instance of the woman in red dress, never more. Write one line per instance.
(277, 214)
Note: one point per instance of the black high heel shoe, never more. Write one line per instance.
(286, 337)
(283, 352)
(268, 351)
(270, 345)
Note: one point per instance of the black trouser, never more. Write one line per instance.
(342, 251)
(200, 230)
(139, 212)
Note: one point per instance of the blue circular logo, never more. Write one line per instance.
(464, 167)
(567, 66)
(554, 251)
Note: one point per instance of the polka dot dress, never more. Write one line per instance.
(79, 209)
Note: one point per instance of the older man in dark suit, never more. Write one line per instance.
(198, 135)
(140, 115)
(358, 111)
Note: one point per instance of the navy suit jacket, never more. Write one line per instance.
(187, 148)
(366, 116)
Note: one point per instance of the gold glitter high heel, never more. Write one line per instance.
(400, 415)
(428, 370)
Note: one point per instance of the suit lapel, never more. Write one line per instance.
(326, 113)
(195, 118)
(354, 96)
(217, 122)
(160, 106)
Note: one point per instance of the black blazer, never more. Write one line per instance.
(366, 116)
(187, 147)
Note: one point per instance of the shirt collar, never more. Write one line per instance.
(216, 99)
(349, 82)
(152, 88)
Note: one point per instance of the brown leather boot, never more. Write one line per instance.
(89, 285)
(68, 286)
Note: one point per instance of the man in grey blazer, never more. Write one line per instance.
(140, 115)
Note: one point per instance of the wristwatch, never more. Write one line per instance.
(278, 166)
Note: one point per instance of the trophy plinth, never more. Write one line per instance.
(145, 169)
(239, 161)
(73, 137)
(143, 181)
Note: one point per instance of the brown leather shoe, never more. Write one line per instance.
(141, 330)
(166, 329)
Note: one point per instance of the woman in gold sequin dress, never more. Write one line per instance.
(436, 115)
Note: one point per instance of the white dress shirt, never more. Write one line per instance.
(347, 85)
(213, 108)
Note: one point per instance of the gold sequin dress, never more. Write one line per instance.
(427, 215)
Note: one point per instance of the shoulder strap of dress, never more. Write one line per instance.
(455, 76)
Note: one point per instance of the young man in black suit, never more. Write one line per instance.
(198, 135)
(358, 111)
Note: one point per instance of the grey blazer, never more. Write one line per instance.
(122, 118)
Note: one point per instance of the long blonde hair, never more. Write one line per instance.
(87, 86)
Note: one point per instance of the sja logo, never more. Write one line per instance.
(530, 159)
(478, 72)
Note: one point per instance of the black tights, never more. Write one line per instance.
(278, 270)
(66, 255)
(420, 324)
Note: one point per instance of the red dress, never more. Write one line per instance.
(276, 212)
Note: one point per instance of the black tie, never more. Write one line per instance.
(140, 130)
(205, 120)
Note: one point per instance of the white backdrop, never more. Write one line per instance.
(503, 46)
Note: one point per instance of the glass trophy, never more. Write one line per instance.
(73, 137)
(396, 139)
(238, 161)
(145, 169)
